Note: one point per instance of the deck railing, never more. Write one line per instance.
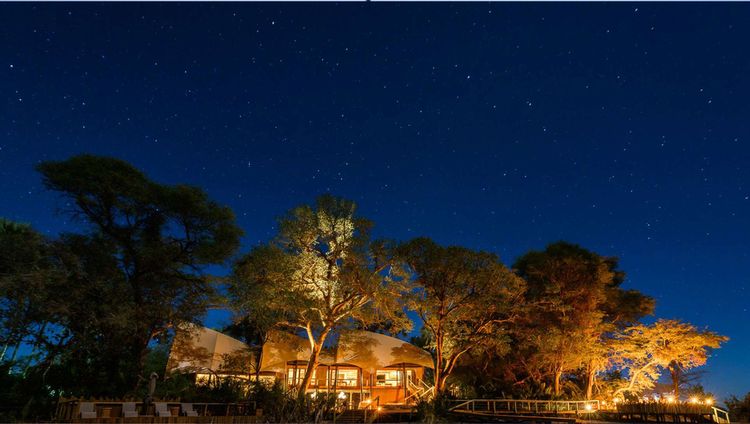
(68, 409)
(683, 409)
(522, 406)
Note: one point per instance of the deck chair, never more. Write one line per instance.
(87, 410)
(187, 410)
(128, 410)
(161, 409)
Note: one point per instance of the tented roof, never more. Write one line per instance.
(371, 351)
(364, 349)
(281, 348)
(202, 348)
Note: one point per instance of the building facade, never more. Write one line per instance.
(360, 367)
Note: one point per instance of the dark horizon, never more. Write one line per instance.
(501, 127)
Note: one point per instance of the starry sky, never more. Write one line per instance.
(503, 127)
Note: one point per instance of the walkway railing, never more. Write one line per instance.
(720, 416)
(688, 411)
(370, 405)
(521, 406)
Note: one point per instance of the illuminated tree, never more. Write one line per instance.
(575, 303)
(321, 273)
(646, 350)
(465, 300)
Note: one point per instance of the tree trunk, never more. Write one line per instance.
(139, 351)
(15, 353)
(258, 362)
(5, 349)
(312, 366)
(439, 379)
(556, 385)
(674, 371)
(591, 375)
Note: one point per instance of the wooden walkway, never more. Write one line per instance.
(549, 411)
(526, 407)
(668, 413)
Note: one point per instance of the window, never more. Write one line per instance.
(392, 377)
(295, 375)
(301, 371)
(388, 378)
(348, 377)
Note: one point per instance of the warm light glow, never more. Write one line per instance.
(708, 401)
(367, 401)
(694, 399)
(342, 395)
(313, 394)
(670, 399)
(616, 400)
(588, 407)
(380, 408)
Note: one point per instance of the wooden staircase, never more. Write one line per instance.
(419, 390)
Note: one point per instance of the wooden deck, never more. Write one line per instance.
(524, 407)
(520, 410)
(233, 419)
(110, 411)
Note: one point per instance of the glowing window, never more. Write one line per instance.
(347, 377)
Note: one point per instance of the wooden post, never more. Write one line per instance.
(403, 367)
(335, 383)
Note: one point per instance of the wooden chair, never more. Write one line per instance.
(187, 410)
(128, 410)
(87, 410)
(161, 409)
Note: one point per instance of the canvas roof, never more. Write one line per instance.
(364, 349)
(371, 351)
(202, 348)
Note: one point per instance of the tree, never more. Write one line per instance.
(25, 266)
(646, 350)
(253, 327)
(575, 303)
(159, 240)
(56, 299)
(465, 300)
(321, 273)
(739, 409)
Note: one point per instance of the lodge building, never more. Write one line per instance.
(359, 368)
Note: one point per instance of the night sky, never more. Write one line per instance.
(621, 127)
